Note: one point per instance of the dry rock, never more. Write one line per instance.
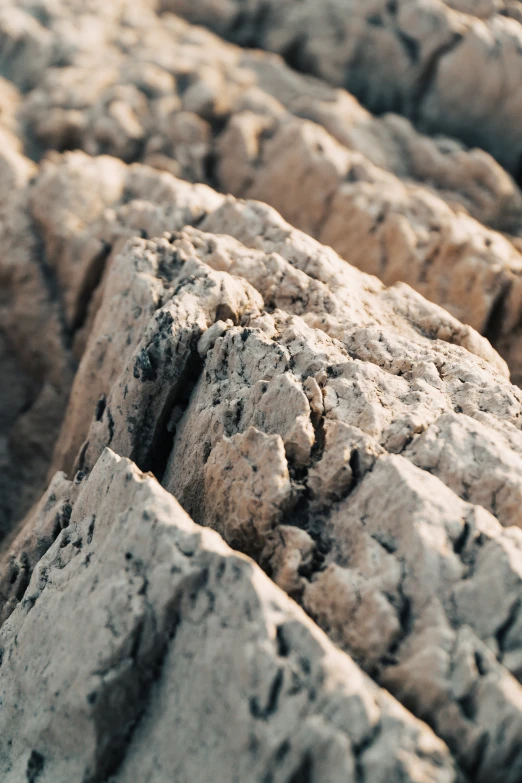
(169, 622)
(386, 198)
(165, 94)
(389, 229)
(452, 67)
(36, 368)
(361, 443)
(331, 491)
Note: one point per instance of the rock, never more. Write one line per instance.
(358, 441)
(38, 532)
(244, 123)
(422, 59)
(370, 226)
(137, 103)
(383, 226)
(59, 232)
(369, 377)
(182, 654)
(36, 368)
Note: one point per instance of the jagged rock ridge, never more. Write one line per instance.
(361, 444)
(388, 199)
(182, 656)
(275, 391)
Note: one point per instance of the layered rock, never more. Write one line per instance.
(319, 422)
(452, 67)
(182, 657)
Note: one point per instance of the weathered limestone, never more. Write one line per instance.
(34, 360)
(395, 230)
(183, 656)
(294, 404)
(450, 71)
(178, 98)
(390, 229)
(164, 95)
(53, 261)
(20, 554)
(360, 443)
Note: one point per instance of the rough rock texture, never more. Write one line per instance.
(53, 260)
(36, 370)
(397, 231)
(163, 93)
(360, 443)
(452, 67)
(320, 422)
(384, 226)
(388, 199)
(168, 621)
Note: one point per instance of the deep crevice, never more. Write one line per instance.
(166, 429)
(494, 325)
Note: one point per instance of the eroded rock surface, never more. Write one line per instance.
(358, 442)
(34, 357)
(183, 656)
(165, 89)
(386, 198)
(452, 67)
(396, 231)
(319, 422)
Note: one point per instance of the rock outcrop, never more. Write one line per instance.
(388, 199)
(451, 67)
(260, 511)
(169, 622)
(320, 423)
(163, 93)
(36, 371)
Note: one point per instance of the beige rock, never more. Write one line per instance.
(387, 558)
(437, 263)
(19, 556)
(33, 351)
(178, 98)
(137, 102)
(450, 71)
(362, 444)
(182, 657)
(243, 123)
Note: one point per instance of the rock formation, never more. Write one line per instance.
(452, 66)
(390, 200)
(168, 621)
(260, 511)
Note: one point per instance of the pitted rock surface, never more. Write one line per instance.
(317, 420)
(169, 622)
(388, 199)
(393, 230)
(260, 511)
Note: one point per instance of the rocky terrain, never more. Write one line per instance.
(260, 427)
